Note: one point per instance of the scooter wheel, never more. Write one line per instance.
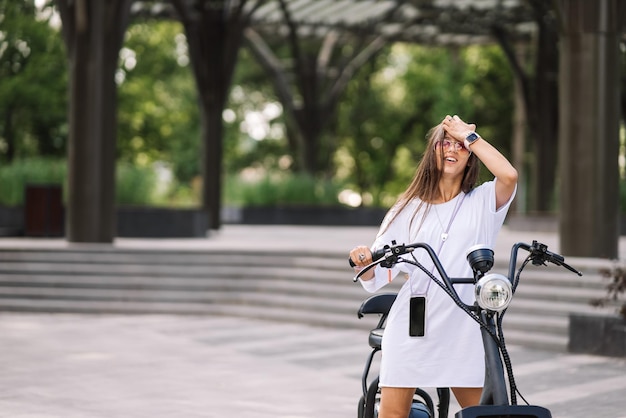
(361, 410)
(370, 401)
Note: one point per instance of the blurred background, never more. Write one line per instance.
(322, 104)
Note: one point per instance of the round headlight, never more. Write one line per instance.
(494, 292)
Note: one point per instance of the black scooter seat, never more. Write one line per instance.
(376, 337)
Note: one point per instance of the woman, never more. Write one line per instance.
(442, 207)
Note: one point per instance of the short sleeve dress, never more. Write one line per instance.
(450, 354)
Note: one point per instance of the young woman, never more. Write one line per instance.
(444, 207)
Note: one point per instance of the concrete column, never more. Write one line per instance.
(589, 127)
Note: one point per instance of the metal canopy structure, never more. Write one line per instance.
(588, 35)
(440, 22)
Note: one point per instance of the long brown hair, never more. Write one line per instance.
(425, 183)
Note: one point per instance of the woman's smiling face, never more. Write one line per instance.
(454, 156)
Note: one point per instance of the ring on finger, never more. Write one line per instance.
(362, 257)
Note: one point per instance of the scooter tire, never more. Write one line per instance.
(427, 400)
(361, 410)
(370, 400)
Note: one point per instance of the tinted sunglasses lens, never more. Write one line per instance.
(458, 146)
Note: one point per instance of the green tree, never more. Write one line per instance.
(387, 112)
(33, 82)
(255, 131)
(158, 111)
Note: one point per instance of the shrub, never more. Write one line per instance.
(134, 186)
(16, 176)
(614, 289)
(281, 190)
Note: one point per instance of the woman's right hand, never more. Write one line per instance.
(361, 256)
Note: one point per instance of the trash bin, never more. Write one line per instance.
(43, 210)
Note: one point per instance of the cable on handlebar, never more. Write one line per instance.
(454, 297)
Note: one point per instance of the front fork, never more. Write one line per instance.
(495, 387)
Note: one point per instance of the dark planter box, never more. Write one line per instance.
(135, 222)
(44, 214)
(11, 221)
(310, 215)
(148, 222)
(597, 334)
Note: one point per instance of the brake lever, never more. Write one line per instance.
(570, 268)
(367, 268)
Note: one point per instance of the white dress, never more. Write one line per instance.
(450, 354)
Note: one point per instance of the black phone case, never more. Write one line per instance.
(417, 313)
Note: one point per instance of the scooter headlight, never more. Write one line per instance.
(494, 292)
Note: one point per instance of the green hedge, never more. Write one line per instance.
(280, 189)
(16, 176)
(135, 185)
(139, 186)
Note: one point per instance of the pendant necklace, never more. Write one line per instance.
(444, 231)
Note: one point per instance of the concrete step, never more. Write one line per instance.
(274, 313)
(538, 340)
(558, 293)
(249, 258)
(309, 287)
(218, 283)
(312, 303)
(27, 270)
(553, 309)
(527, 322)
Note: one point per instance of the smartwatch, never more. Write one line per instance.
(470, 139)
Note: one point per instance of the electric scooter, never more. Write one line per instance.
(493, 293)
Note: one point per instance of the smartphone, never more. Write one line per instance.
(417, 313)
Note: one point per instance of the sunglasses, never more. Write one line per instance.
(447, 144)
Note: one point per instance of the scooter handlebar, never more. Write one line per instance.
(540, 255)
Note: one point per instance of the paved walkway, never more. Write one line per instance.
(76, 366)
(81, 366)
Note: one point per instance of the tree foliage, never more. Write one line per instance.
(376, 136)
(158, 112)
(389, 110)
(33, 82)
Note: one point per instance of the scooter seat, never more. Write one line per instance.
(376, 337)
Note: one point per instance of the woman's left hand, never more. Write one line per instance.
(456, 128)
(500, 167)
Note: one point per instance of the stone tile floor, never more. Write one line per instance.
(82, 366)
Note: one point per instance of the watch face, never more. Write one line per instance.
(473, 136)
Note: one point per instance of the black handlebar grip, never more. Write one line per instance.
(377, 254)
(555, 258)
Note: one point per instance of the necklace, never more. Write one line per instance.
(444, 231)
